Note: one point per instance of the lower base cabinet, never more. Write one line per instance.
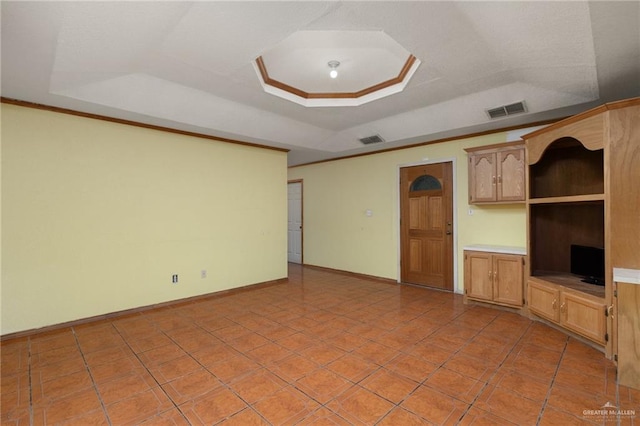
(494, 277)
(578, 312)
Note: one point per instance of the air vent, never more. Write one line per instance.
(505, 110)
(371, 139)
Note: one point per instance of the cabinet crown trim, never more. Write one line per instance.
(578, 117)
(495, 146)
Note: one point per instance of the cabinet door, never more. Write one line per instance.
(482, 177)
(478, 282)
(584, 316)
(544, 301)
(510, 165)
(507, 279)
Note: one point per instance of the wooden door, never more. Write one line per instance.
(477, 275)
(426, 222)
(294, 222)
(508, 273)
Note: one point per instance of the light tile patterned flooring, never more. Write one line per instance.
(323, 349)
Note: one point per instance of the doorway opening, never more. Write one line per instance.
(294, 222)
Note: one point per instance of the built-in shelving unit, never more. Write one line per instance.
(576, 170)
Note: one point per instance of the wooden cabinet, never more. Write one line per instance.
(579, 312)
(497, 174)
(584, 315)
(494, 277)
(543, 300)
(478, 280)
(579, 194)
(628, 287)
(508, 279)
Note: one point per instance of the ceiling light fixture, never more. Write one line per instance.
(333, 65)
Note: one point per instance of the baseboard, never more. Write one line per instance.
(133, 311)
(352, 274)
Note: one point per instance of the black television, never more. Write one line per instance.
(588, 263)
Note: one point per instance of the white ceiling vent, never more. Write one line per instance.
(505, 110)
(371, 139)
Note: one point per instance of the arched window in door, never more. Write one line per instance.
(425, 183)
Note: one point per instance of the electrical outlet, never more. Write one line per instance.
(203, 273)
(174, 279)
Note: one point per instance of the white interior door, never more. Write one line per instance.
(294, 223)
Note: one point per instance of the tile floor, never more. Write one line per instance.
(323, 349)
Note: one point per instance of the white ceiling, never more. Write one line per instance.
(190, 66)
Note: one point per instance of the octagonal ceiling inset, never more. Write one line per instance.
(372, 66)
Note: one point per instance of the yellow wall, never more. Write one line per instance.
(97, 217)
(339, 235)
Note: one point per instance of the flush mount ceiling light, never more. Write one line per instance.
(333, 65)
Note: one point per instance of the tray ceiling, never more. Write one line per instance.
(191, 65)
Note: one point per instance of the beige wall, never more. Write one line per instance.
(97, 217)
(339, 235)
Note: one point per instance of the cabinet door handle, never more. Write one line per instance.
(554, 304)
(493, 179)
(610, 311)
(499, 178)
(563, 307)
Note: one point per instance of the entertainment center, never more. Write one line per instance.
(582, 260)
(573, 167)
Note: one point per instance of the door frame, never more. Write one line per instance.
(301, 182)
(456, 287)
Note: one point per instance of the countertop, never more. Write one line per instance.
(497, 249)
(630, 276)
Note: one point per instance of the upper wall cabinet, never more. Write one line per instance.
(497, 174)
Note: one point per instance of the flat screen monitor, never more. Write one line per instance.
(588, 263)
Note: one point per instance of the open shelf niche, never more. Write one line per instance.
(567, 168)
(566, 191)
